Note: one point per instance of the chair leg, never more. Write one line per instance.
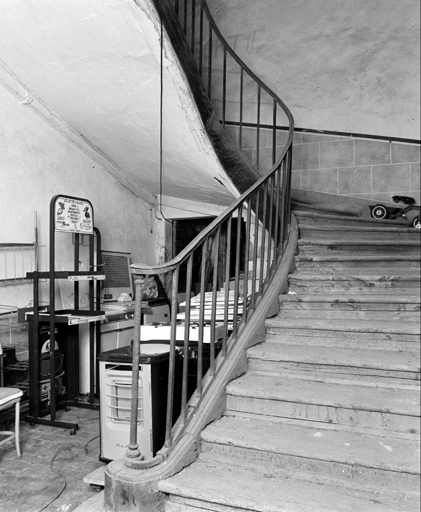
(17, 419)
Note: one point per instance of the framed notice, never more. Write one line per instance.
(73, 215)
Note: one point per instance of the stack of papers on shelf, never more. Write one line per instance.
(208, 303)
(120, 307)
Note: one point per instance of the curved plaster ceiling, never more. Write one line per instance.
(93, 69)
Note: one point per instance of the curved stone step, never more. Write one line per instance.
(357, 246)
(397, 234)
(354, 402)
(225, 483)
(344, 327)
(322, 447)
(342, 220)
(351, 302)
(407, 360)
(302, 282)
(382, 263)
(394, 316)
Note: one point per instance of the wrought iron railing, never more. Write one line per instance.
(237, 255)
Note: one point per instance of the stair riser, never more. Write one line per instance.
(280, 334)
(180, 504)
(328, 468)
(354, 285)
(366, 307)
(363, 267)
(342, 342)
(280, 367)
(357, 315)
(304, 220)
(323, 413)
(309, 249)
(356, 234)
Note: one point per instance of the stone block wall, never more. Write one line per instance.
(348, 166)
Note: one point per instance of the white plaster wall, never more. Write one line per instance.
(36, 163)
(344, 65)
(96, 64)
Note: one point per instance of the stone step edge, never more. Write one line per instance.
(363, 229)
(367, 381)
(300, 213)
(354, 242)
(247, 391)
(310, 276)
(345, 326)
(187, 489)
(344, 258)
(351, 299)
(295, 438)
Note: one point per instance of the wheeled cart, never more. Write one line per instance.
(115, 370)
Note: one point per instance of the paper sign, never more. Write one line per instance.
(73, 215)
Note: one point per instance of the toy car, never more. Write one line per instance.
(380, 211)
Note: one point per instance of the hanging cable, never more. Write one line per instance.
(161, 118)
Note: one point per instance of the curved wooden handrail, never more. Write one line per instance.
(238, 254)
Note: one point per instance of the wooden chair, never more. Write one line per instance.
(10, 397)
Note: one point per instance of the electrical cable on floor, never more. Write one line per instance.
(58, 450)
(86, 445)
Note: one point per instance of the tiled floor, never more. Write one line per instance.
(49, 476)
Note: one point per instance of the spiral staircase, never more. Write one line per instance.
(326, 417)
(313, 402)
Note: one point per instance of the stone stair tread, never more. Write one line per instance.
(367, 380)
(407, 298)
(320, 441)
(350, 395)
(387, 230)
(358, 257)
(357, 277)
(359, 220)
(356, 242)
(338, 357)
(394, 344)
(225, 484)
(390, 290)
(345, 325)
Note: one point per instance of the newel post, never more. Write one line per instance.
(133, 455)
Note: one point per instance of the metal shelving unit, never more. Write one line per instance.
(74, 216)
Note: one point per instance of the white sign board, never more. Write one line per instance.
(73, 215)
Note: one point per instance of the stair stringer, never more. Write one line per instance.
(130, 490)
(236, 166)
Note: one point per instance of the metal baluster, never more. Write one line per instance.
(256, 243)
(263, 241)
(201, 319)
(270, 230)
(274, 134)
(171, 371)
(224, 88)
(276, 198)
(186, 341)
(227, 285)
(237, 271)
(258, 127)
(133, 453)
(240, 143)
(246, 255)
(193, 25)
(201, 39)
(215, 253)
(210, 62)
